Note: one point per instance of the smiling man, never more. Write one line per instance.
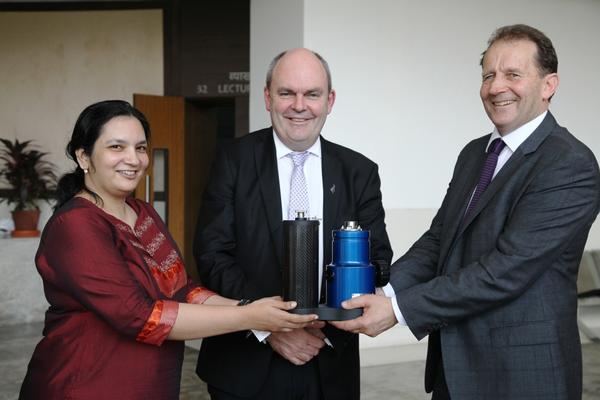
(493, 280)
(299, 97)
(257, 182)
(516, 86)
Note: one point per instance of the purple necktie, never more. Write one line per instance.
(486, 173)
(298, 188)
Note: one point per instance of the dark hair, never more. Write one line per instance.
(283, 53)
(547, 62)
(85, 134)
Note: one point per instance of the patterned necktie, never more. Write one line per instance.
(486, 173)
(298, 188)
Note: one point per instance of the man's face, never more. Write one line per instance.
(512, 90)
(298, 99)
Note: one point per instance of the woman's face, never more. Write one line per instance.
(118, 160)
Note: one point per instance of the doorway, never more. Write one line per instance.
(185, 134)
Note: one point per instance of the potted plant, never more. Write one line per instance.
(30, 178)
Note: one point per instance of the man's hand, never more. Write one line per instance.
(300, 345)
(378, 315)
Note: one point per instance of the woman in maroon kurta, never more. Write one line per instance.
(115, 280)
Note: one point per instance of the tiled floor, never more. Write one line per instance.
(402, 381)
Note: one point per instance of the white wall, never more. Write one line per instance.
(407, 72)
(407, 77)
(56, 63)
(271, 31)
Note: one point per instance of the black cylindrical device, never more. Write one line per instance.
(300, 277)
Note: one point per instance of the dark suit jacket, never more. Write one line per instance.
(500, 288)
(239, 245)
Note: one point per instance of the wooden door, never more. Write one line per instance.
(166, 151)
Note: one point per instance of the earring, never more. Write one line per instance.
(85, 171)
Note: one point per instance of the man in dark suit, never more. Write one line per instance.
(493, 280)
(239, 238)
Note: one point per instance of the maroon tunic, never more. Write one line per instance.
(113, 295)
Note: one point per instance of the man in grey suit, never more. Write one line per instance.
(493, 280)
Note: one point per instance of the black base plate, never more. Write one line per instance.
(326, 313)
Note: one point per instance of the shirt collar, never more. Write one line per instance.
(281, 150)
(515, 138)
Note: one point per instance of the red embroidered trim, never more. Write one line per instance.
(170, 279)
(199, 295)
(159, 324)
(161, 257)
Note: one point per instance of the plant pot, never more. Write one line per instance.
(26, 223)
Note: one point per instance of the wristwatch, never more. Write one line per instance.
(243, 302)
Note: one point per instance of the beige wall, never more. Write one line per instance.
(53, 64)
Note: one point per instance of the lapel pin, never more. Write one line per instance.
(332, 189)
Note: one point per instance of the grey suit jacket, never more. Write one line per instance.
(499, 288)
(239, 252)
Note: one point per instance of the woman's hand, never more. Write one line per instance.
(219, 315)
(270, 314)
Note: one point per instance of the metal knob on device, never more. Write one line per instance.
(351, 226)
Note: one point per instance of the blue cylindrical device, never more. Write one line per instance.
(350, 273)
